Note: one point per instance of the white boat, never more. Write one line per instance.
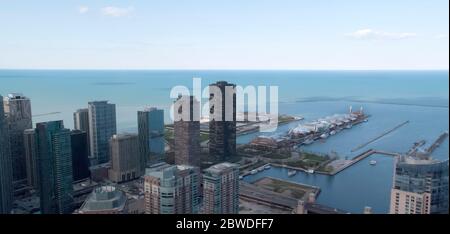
(310, 171)
(267, 167)
(241, 177)
(324, 136)
(373, 162)
(348, 126)
(308, 142)
(253, 172)
(333, 133)
(292, 173)
(260, 169)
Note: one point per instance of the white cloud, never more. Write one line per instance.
(117, 11)
(370, 34)
(83, 9)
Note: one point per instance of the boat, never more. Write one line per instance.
(310, 171)
(292, 173)
(241, 177)
(348, 126)
(308, 142)
(373, 162)
(324, 136)
(260, 169)
(267, 167)
(333, 133)
(253, 172)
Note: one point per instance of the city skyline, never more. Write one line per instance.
(273, 35)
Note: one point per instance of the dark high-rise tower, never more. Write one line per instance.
(18, 112)
(55, 168)
(80, 159)
(6, 176)
(151, 134)
(102, 126)
(81, 122)
(222, 125)
(187, 131)
(31, 158)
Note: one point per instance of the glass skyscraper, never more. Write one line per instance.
(420, 186)
(6, 176)
(102, 126)
(151, 134)
(55, 168)
(18, 112)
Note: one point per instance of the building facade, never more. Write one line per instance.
(221, 189)
(102, 126)
(222, 125)
(55, 168)
(151, 135)
(6, 174)
(31, 158)
(18, 112)
(172, 189)
(80, 157)
(81, 122)
(125, 158)
(420, 186)
(187, 131)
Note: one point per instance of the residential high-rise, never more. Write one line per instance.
(125, 158)
(172, 189)
(80, 158)
(187, 131)
(31, 158)
(6, 174)
(55, 168)
(222, 125)
(221, 189)
(102, 126)
(105, 200)
(151, 134)
(420, 186)
(18, 112)
(81, 122)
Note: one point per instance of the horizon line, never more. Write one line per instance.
(223, 69)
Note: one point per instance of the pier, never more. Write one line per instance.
(362, 157)
(380, 136)
(437, 143)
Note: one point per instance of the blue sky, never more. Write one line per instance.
(232, 34)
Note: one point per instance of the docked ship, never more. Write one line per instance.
(292, 173)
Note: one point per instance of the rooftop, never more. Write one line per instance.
(221, 167)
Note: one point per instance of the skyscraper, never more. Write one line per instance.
(31, 158)
(420, 186)
(81, 122)
(222, 130)
(172, 189)
(6, 174)
(187, 131)
(55, 168)
(221, 189)
(102, 126)
(18, 112)
(151, 134)
(80, 158)
(125, 158)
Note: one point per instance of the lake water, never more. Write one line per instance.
(390, 97)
